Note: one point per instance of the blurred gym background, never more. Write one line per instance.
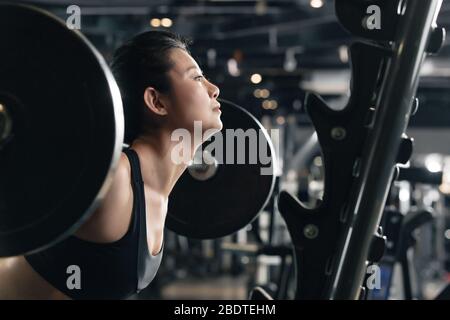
(265, 55)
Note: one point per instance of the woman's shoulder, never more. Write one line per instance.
(120, 187)
(111, 219)
(124, 167)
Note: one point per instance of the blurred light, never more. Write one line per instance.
(211, 55)
(256, 78)
(403, 195)
(274, 104)
(447, 234)
(318, 161)
(265, 93)
(433, 163)
(233, 67)
(327, 82)
(280, 120)
(155, 22)
(291, 175)
(297, 104)
(316, 3)
(427, 68)
(343, 54)
(445, 186)
(245, 260)
(260, 7)
(269, 104)
(290, 63)
(166, 22)
(316, 187)
(261, 93)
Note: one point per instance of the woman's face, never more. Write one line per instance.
(193, 97)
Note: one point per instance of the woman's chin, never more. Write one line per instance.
(216, 124)
(212, 131)
(219, 126)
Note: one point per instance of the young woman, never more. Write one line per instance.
(117, 252)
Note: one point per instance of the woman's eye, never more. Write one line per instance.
(198, 77)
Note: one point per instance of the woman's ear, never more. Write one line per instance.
(154, 101)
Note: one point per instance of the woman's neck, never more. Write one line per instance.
(159, 170)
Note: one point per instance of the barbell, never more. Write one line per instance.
(61, 135)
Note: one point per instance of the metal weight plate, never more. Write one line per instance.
(218, 199)
(66, 133)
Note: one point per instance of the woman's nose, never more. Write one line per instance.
(215, 90)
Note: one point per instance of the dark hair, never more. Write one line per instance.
(144, 62)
